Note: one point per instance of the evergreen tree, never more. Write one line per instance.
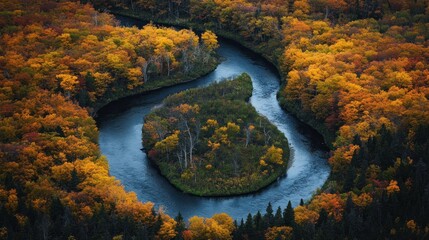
(239, 232)
(259, 225)
(258, 221)
(323, 218)
(269, 217)
(278, 219)
(289, 215)
(249, 225)
(180, 227)
(89, 82)
(349, 179)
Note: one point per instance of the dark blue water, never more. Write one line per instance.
(120, 124)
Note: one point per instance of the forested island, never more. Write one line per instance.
(211, 142)
(356, 71)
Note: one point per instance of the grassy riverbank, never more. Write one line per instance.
(211, 142)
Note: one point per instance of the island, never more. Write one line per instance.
(211, 142)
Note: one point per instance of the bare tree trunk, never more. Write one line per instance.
(45, 224)
(191, 144)
(235, 162)
(248, 136)
(95, 18)
(167, 60)
(185, 153)
(145, 68)
(326, 12)
(132, 4)
(267, 136)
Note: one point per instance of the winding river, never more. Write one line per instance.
(120, 124)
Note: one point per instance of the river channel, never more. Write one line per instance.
(120, 125)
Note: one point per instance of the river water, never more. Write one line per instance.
(120, 125)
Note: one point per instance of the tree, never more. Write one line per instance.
(304, 215)
(278, 219)
(168, 144)
(249, 130)
(279, 233)
(68, 83)
(220, 226)
(335, 5)
(273, 155)
(269, 217)
(393, 187)
(289, 215)
(210, 40)
(180, 226)
(189, 127)
(332, 203)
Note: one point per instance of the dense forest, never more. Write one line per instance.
(355, 70)
(211, 142)
(59, 61)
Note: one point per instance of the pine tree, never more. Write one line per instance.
(323, 218)
(249, 225)
(289, 215)
(180, 227)
(278, 219)
(258, 221)
(258, 225)
(349, 179)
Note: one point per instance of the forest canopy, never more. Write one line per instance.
(57, 57)
(357, 72)
(211, 142)
(354, 70)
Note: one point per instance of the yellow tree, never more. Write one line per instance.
(279, 233)
(168, 144)
(210, 40)
(220, 226)
(68, 83)
(134, 77)
(190, 128)
(304, 215)
(167, 230)
(273, 155)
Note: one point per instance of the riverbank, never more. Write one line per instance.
(233, 150)
(157, 84)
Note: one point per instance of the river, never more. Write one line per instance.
(120, 125)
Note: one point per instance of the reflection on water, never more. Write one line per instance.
(120, 125)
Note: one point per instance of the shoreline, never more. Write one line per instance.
(148, 89)
(254, 192)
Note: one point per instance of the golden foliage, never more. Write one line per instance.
(279, 233)
(304, 215)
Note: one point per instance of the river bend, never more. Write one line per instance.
(120, 125)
